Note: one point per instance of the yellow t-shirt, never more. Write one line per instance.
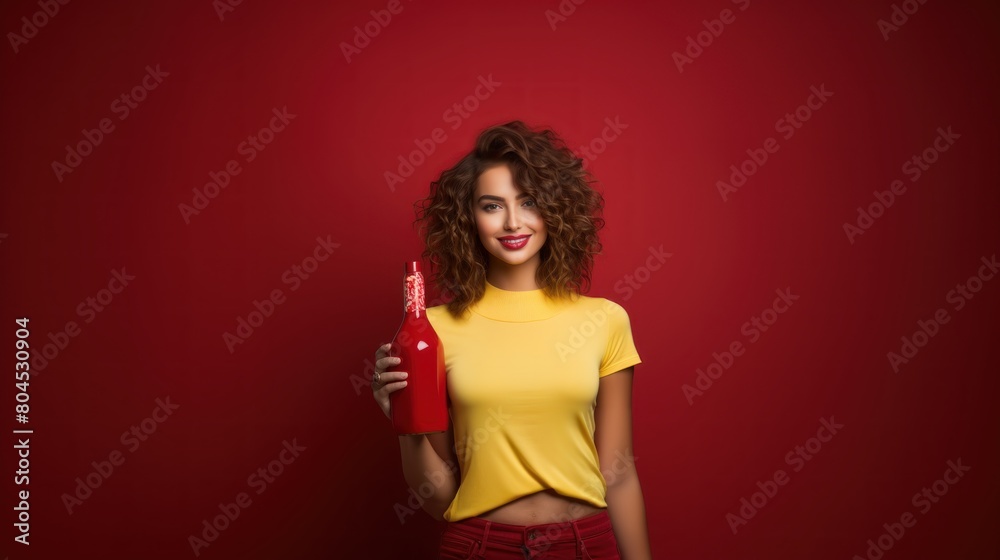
(523, 374)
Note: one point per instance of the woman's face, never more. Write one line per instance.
(504, 211)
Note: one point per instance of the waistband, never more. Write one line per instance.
(563, 531)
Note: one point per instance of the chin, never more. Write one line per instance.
(513, 259)
(515, 262)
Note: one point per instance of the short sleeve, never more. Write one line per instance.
(620, 352)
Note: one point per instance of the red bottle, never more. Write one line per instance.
(421, 407)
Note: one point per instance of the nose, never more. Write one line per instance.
(513, 220)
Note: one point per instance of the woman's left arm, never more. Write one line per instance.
(613, 438)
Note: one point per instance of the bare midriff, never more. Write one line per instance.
(546, 506)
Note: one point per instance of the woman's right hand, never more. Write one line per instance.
(389, 381)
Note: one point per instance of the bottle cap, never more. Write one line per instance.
(411, 267)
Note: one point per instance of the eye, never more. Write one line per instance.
(487, 207)
(531, 202)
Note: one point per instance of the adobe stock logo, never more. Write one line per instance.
(959, 297)
(249, 148)
(38, 20)
(633, 282)
(697, 43)
(363, 35)
(293, 276)
(913, 168)
(87, 309)
(223, 6)
(362, 382)
(132, 439)
(753, 329)
(455, 115)
(122, 106)
(261, 479)
(566, 8)
(623, 466)
(612, 131)
(787, 126)
(579, 334)
(434, 480)
(796, 459)
(899, 17)
(628, 285)
(924, 501)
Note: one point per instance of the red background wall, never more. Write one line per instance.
(296, 377)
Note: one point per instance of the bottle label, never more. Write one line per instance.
(413, 293)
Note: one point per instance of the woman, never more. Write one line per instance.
(539, 376)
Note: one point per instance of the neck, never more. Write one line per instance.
(519, 305)
(514, 277)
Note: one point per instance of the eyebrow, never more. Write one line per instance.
(491, 197)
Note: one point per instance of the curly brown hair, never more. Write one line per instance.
(543, 167)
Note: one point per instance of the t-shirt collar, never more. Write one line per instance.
(518, 306)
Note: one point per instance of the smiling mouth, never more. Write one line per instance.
(514, 243)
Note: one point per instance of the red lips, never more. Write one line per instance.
(514, 242)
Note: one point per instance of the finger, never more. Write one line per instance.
(386, 379)
(389, 376)
(392, 387)
(383, 350)
(385, 363)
